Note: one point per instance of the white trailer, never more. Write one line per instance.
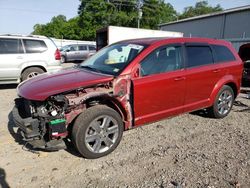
(112, 34)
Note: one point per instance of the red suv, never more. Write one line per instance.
(126, 85)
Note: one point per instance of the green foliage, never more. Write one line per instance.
(59, 27)
(156, 12)
(95, 14)
(200, 8)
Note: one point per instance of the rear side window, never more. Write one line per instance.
(198, 56)
(92, 48)
(82, 48)
(34, 46)
(223, 53)
(10, 46)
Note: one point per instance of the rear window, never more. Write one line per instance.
(10, 46)
(34, 46)
(199, 55)
(223, 53)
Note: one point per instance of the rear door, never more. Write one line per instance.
(92, 50)
(35, 52)
(159, 91)
(11, 58)
(202, 74)
(83, 52)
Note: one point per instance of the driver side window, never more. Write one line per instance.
(163, 59)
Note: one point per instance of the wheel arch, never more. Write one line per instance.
(101, 99)
(108, 101)
(226, 80)
(33, 66)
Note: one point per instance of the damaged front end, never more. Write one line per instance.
(44, 124)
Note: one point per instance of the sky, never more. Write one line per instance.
(19, 16)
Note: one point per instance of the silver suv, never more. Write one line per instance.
(76, 52)
(23, 57)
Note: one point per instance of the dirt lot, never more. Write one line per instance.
(184, 151)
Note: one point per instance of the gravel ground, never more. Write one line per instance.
(185, 151)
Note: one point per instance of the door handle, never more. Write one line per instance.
(19, 57)
(179, 78)
(216, 70)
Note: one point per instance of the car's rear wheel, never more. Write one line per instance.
(223, 103)
(97, 131)
(63, 59)
(31, 72)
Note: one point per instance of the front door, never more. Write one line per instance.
(160, 89)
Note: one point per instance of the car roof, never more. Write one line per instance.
(23, 36)
(155, 40)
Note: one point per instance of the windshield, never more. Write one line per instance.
(113, 59)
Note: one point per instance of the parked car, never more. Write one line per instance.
(24, 57)
(126, 85)
(76, 52)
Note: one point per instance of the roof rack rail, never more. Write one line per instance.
(20, 35)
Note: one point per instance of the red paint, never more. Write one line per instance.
(153, 97)
(45, 85)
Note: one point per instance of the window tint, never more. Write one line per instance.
(161, 60)
(34, 46)
(199, 55)
(10, 46)
(92, 48)
(72, 48)
(82, 48)
(223, 53)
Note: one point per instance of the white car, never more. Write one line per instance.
(23, 57)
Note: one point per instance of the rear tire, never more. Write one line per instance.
(31, 72)
(223, 103)
(97, 131)
(63, 59)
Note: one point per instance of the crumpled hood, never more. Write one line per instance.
(45, 85)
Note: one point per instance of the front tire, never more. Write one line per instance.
(97, 131)
(223, 103)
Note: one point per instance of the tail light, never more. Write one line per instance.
(57, 55)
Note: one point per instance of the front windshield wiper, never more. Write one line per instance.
(90, 68)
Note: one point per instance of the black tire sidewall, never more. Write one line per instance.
(81, 126)
(215, 106)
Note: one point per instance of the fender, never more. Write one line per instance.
(223, 81)
(32, 64)
(109, 99)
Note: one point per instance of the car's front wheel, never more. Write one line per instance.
(223, 103)
(97, 131)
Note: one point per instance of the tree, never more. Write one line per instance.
(95, 14)
(200, 8)
(156, 12)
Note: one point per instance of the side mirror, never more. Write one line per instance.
(136, 73)
(68, 50)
